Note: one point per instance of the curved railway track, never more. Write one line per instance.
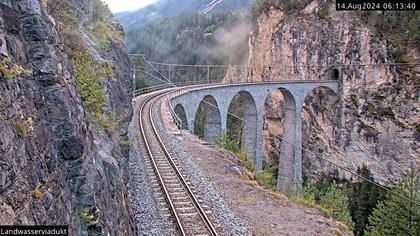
(178, 200)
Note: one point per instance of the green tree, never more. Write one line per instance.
(141, 78)
(362, 199)
(336, 200)
(100, 10)
(325, 181)
(395, 215)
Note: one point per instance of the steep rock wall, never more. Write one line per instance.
(375, 121)
(56, 165)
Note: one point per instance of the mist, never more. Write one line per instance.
(229, 41)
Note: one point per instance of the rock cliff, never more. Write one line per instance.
(375, 118)
(63, 159)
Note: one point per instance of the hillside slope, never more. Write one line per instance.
(171, 8)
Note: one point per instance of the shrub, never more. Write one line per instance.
(267, 179)
(100, 33)
(110, 122)
(323, 12)
(100, 10)
(332, 201)
(289, 6)
(228, 144)
(88, 78)
(399, 29)
(379, 112)
(9, 70)
(308, 198)
(21, 129)
(385, 112)
(72, 39)
(262, 6)
(87, 217)
(61, 11)
(355, 100)
(36, 193)
(88, 81)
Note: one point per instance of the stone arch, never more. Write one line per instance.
(284, 106)
(208, 119)
(320, 127)
(243, 106)
(180, 112)
(322, 94)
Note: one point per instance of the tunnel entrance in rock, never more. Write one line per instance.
(207, 124)
(242, 123)
(180, 112)
(334, 74)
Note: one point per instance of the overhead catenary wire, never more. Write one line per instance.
(281, 66)
(313, 153)
(157, 71)
(161, 80)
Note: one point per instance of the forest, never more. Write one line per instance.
(193, 38)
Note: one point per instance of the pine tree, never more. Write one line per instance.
(395, 215)
(336, 200)
(363, 198)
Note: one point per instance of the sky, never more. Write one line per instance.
(127, 5)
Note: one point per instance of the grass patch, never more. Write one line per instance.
(228, 144)
(335, 231)
(333, 202)
(267, 179)
(307, 198)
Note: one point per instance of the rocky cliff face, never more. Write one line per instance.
(58, 165)
(374, 119)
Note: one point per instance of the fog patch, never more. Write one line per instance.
(229, 41)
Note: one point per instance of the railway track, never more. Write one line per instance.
(176, 198)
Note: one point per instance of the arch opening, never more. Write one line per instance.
(242, 123)
(320, 130)
(180, 112)
(279, 139)
(208, 120)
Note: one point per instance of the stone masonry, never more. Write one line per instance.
(220, 96)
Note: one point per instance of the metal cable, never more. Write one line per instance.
(320, 157)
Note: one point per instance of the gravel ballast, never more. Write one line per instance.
(142, 196)
(223, 219)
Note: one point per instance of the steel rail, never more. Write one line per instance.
(168, 199)
(153, 99)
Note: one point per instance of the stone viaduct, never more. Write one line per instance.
(216, 100)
